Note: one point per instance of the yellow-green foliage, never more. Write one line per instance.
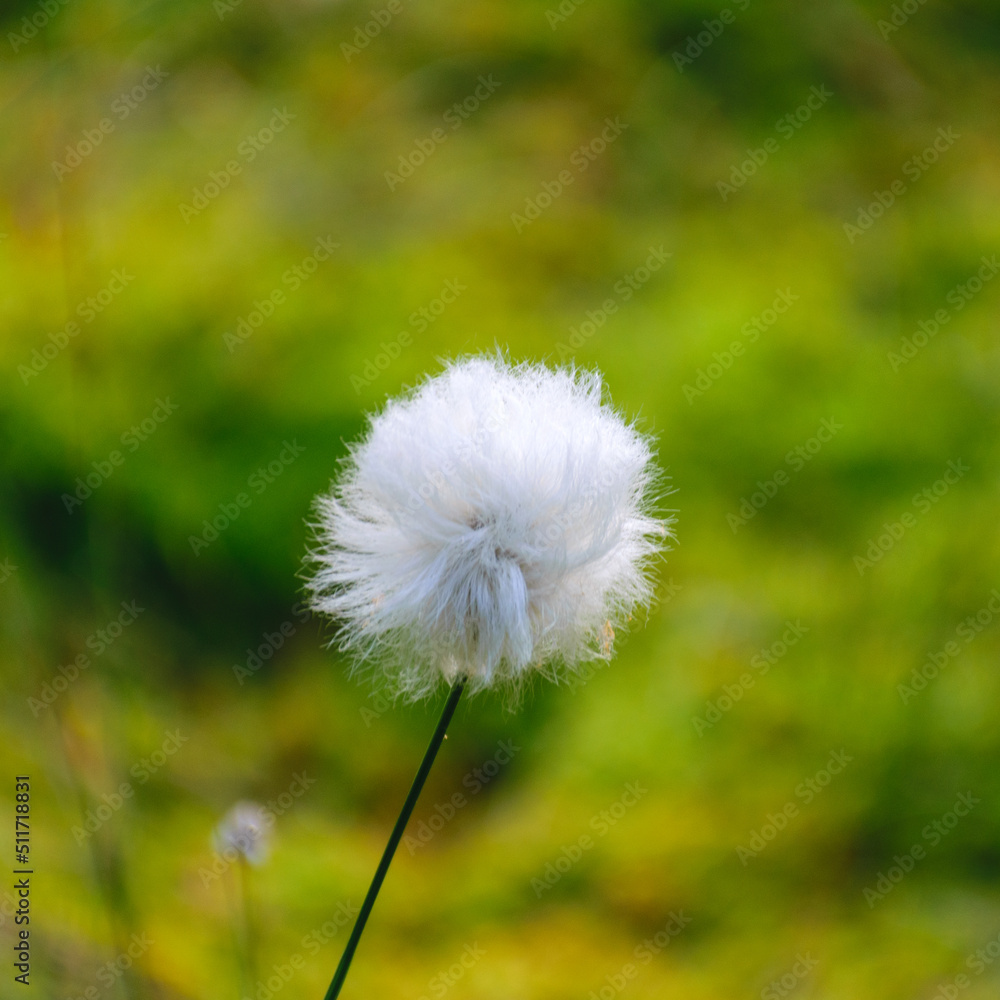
(835, 474)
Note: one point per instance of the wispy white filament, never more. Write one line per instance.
(495, 521)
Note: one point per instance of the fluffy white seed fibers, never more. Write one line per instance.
(496, 521)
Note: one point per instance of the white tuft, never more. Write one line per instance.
(495, 521)
(243, 829)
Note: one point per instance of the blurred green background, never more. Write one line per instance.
(170, 174)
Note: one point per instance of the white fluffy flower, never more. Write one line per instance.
(243, 830)
(496, 520)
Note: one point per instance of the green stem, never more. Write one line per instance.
(397, 834)
(246, 930)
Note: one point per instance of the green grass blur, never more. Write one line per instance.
(177, 164)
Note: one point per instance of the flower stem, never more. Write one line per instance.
(397, 834)
(247, 932)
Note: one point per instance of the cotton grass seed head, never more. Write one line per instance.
(494, 522)
(244, 831)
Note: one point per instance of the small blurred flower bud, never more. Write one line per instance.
(242, 829)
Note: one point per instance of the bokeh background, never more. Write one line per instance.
(247, 212)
